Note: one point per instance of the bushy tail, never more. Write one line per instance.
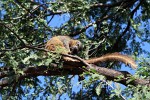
(114, 57)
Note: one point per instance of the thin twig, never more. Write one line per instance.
(13, 33)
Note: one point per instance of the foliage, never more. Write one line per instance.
(103, 26)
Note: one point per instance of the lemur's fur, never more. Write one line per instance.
(113, 57)
(71, 46)
(68, 45)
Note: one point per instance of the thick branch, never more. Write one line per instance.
(114, 75)
(74, 68)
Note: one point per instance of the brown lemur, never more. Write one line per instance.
(67, 44)
(72, 46)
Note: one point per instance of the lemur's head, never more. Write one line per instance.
(75, 46)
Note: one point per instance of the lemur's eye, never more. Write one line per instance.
(78, 43)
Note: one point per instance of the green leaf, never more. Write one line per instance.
(99, 89)
(48, 61)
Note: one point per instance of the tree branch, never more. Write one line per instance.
(75, 68)
(103, 18)
(110, 5)
(13, 33)
(114, 75)
(89, 25)
(128, 25)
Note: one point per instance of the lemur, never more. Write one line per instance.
(72, 46)
(67, 44)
